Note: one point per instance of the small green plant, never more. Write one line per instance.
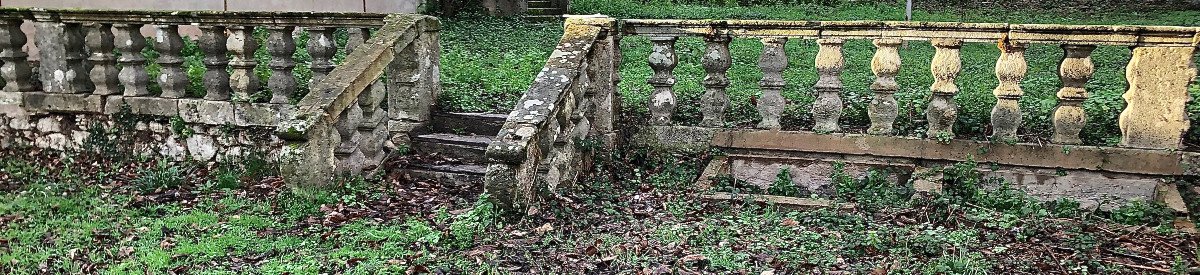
(783, 185)
(180, 128)
(943, 137)
(467, 226)
(163, 176)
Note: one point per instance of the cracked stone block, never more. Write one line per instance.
(202, 147)
(71, 103)
(207, 111)
(149, 105)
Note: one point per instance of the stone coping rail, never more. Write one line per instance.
(305, 19)
(572, 99)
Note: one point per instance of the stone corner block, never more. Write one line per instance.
(69, 103)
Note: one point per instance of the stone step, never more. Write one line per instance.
(456, 174)
(545, 11)
(479, 124)
(543, 18)
(539, 4)
(465, 148)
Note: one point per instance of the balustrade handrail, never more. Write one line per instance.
(571, 99)
(288, 18)
(914, 30)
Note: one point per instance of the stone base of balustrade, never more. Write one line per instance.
(1097, 177)
(178, 129)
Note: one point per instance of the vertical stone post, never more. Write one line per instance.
(403, 73)
(1075, 70)
(942, 112)
(772, 62)
(168, 43)
(885, 65)
(213, 42)
(662, 61)
(130, 42)
(1010, 70)
(321, 46)
(104, 63)
(61, 63)
(243, 81)
(281, 46)
(18, 76)
(716, 64)
(1156, 115)
(827, 109)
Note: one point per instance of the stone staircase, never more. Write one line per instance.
(450, 149)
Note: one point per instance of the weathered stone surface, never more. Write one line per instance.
(281, 46)
(49, 124)
(155, 106)
(717, 61)
(213, 42)
(18, 75)
(321, 46)
(1091, 189)
(207, 111)
(942, 112)
(663, 61)
(130, 42)
(61, 66)
(261, 114)
(172, 79)
(1136, 161)
(242, 44)
(69, 103)
(104, 73)
(812, 175)
(201, 147)
(675, 138)
(56, 141)
(1074, 71)
(883, 109)
(1010, 70)
(827, 109)
(1156, 115)
(772, 62)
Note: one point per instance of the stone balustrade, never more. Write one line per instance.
(572, 100)
(1159, 73)
(92, 64)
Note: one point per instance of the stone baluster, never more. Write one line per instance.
(18, 76)
(213, 41)
(827, 109)
(104, 63)
(942, 111)
(716, 63)
(662, 61)
(1155, 114)
(130, 42)
(1010, 70)
(243, 81)
(886, 65)
(1074, 72)
(357, 37)
(61, 65)
(321, 46)
(168, 43)
(772, 62)
(281, 46)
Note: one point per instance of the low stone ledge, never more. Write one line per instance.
(206, 111)
(675, 138)
(154, 106)
(61, 103)
(261, 114)
(1110, 159)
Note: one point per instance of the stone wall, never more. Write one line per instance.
(373, 6)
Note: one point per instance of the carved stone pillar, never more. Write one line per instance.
(61, 64)
(1156, 116)
(18, 76)
(168, 43)
(1074, 71)
(243, 81)
(281, 46)
(772, 62)
(1010, 70)
(716, 63)
(942, 111)
(662, 61)
(886, 65)
(213, 42)
(130, 42)
(321, 46)
(827, 109)
(104, 63)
